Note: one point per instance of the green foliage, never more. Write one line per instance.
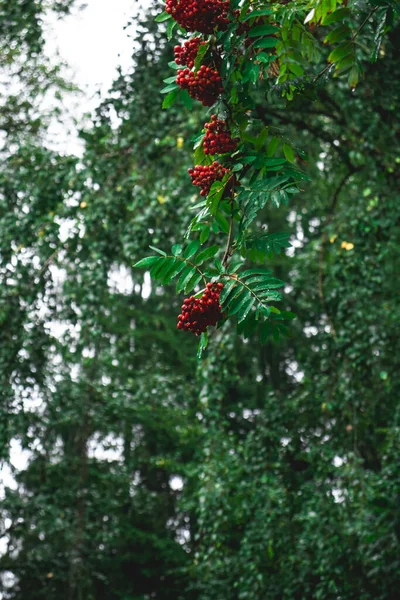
(288, 453)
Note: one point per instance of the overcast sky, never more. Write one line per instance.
(92, 41)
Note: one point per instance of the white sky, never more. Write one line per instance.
(92, 41)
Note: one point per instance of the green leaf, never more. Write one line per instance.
(263, 30)
(174, 271)
(272, 146)
(158, 250)
(203, 49)
(192, 282)
(170, 99)
(202, 345)
(340, 52)
(337, 15)
(255, 271)
(164, 16)
(268, 42)
(338, 35)
(191, 249)
(222, 222)
(186, 99)
(239, 302)
(219, 266)
(170, 28)
(186, 274)
(244, 311)
(226, 290)
(205, 234)
(256, 13)
(170, 88)
(288, 152)
(206, 254)
(176, 249)
(146, 262)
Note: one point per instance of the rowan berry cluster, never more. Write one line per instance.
(198, 313)
(199, 15)
(205, 85)
(186, 55)
(205, 175)
(218, 139)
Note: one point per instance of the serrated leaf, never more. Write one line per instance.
(170, 28)
(223, 223)
(170, 99)
(164, 16)
(255, 271)
(235, 265)
(186, 274)
(267, 42)
(202, 345)
(202, 51)
(244, 311)
(186, 99)
(174, 271)
(288, 152)
(340, 52)
(192, 282)
(191, 249)
(239, 302)
(174, 66)
(218, 265)
(176, 249)
(272, 146)
(260, 30)
(158, 270)
(226, 290)
(146, 262)
(256, 13)
(206, 254)
(170, 88)
(205, 234)
(158, 250)
(337, 15)
(338, 35)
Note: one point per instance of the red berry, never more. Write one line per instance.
(186, 55)
(205, 85)
(218, 139)
(202, 312)
(199, 15)
(205, 175)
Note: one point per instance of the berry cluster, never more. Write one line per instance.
(205, 85)
(205, 175)
(198, 313)
(199, 15)
(186, 54)
(218, 139)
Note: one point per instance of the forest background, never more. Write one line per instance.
(261, 472)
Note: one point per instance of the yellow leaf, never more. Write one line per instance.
(179, 142)
(333, 238)
(161, 199)
(83, 204)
